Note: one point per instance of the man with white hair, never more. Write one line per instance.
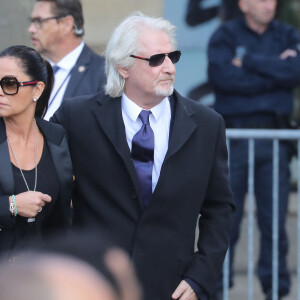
(148, 162)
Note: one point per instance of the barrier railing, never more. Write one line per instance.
(276, 136)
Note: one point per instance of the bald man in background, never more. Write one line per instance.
(254, 65)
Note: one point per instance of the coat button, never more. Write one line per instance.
(134, 196)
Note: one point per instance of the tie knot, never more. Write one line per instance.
(144, 116)
(55, 68)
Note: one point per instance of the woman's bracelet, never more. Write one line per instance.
(13, 205)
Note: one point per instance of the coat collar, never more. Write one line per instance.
(54, 138)
(183, 124)
(78, 70)
(108, 113)
(50, 131)
(6, 174)
(2, 131)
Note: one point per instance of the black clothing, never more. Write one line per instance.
(257, 94)
(193, 179)
(54, 216)
(47, 183)
(264, 83)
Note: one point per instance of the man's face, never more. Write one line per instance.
(146, 83)
(259, 12)
(47, 36)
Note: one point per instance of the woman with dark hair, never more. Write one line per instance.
(35, 164)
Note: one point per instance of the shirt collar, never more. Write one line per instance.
(132, 110)
(68, 62)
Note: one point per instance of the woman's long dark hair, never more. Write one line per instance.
(37, 69)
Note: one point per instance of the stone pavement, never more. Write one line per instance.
(240, 289)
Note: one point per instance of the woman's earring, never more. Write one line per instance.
(35, 99)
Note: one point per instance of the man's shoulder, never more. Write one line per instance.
(283, 27)
(81, 102)
(52, 131)
(79, 108)
(196, 108)
(233, 23)
(228, 29)
(88, 52)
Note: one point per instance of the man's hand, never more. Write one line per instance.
(237, 61)
(184, 292)
(288, 53)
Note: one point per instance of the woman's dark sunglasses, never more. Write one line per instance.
(157, 59)
(10, 85)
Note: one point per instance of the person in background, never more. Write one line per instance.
(148, 161)
(101, 253)
(254, 65)
(56, 29)
(198, 13)
(35, 164)
(78, 266)
(35, 276)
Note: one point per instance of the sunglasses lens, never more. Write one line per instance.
(9, 85)
(175, 56)
(156, 60)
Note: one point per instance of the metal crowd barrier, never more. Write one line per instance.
(276, 136)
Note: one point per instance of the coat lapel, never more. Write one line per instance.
(108, 113)
(183, 125)
(76, 73)
(181, 128)
(57, 144)
(6, 174)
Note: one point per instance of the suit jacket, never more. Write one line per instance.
(57, 215)
(193, 180)
(87, 76)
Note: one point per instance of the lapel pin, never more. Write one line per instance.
(81, 69)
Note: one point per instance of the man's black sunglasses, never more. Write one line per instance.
(157, 59)
(10, 85)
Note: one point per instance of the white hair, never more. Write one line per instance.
(124, 42)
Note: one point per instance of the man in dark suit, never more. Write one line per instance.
(56, 31)
(149, 162)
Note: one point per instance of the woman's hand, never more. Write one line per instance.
(30, 203)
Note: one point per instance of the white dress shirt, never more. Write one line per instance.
(159, 120)
(61, 79)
